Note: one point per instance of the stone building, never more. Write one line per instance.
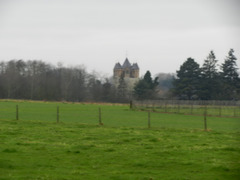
(127, 69)
(130, 73)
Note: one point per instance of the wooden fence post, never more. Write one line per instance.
(57, 114)
(131, 104)
(100, 116)
(17, 117)
(205, 118)
(149, 120)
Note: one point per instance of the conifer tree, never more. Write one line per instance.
(122, 89)
(210, 82)
(186, 84)
(146, 87)
(230, 77)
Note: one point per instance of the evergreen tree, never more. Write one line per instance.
(122, 89)
(210, 82)
(209, 68)
(186, 84)
(230, 77)
(146, 87)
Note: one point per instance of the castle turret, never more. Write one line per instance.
(129, 71)
(117, 71)
(135, 70)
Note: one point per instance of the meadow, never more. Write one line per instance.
(175, 147)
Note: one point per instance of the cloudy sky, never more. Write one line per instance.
(157, 34)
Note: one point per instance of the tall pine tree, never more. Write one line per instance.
(230, 77)
(210, 82)
(187, 82)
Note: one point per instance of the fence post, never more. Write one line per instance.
(191, 107)
(153, 106)
(100, 116)
(149, 120)
(57, 114)
(17, 117)
(131, 104)
(205, 118)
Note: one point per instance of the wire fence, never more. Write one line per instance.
(208, 108)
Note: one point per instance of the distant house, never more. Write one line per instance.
(127, 69)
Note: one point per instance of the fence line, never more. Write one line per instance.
(187, 102)
(117, 116)
(214, 108)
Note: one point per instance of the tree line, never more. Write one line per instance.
(193, 82)
(208, 82)
(37, 80)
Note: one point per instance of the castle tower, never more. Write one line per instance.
(126, 68)
(130, 71)
(135, 71)
(117, 71)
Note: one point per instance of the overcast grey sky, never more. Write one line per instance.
(157, 34)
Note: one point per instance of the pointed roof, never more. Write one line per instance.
(126, 64)
(118, 66)
(135, 66)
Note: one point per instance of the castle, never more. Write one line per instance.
(128, 70)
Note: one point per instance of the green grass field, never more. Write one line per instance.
(112, 116)
(175, 147)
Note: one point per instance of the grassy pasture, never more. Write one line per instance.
(112, 115)
(176, 147)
